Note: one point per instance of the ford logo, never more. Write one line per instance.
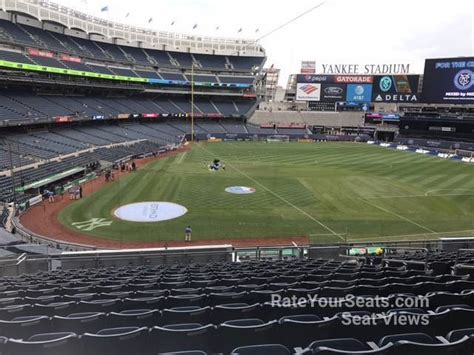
(333, 90)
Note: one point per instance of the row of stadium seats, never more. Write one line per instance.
(149, 73)
(217, 307)
(291, 332)
(89, 319)
(21, 105)
(30, 175)
(34, 147)
(30, 36)
(59, 141)
(256, 304)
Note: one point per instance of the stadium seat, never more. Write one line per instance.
(55, 308)
(189, 314)
(99, 305)
(340, 345)
(233, 333)
(46, 344)
(80, 323)
(419, 343)
(24, 327)
(146, 302)
(228, 311)
(199, 300)
(181, 337)
(134, 318)
(119, 341)
(265, 349)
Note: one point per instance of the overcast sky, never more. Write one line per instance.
(341, 31)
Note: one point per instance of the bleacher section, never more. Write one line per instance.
(328, 119)
(23, 105)
(217, 307)
(37, 38)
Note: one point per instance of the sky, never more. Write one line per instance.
(340, 31)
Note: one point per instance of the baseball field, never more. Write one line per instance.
(329, 192)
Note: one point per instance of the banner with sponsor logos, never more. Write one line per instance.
(334, 88)
(308, 92)
(333, 92)
(338, 79)
(359, 93)
(449, 80)
(395, 88)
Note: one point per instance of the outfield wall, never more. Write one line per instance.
(331, 119)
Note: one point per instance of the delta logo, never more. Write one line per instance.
(309, 89)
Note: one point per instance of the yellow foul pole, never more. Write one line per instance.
(192, 102)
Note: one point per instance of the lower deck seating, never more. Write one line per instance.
(219, 307)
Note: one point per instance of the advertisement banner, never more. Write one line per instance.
(308, 79)
(62, 119)
(395, 88)
(68, 58)
(39, 53)
(359, 93)
(333, 92)
(338, 79)
(308, 92)
(354, 79)
(449, 80)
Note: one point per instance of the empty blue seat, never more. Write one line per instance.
(265, 349)
(24, 327)
(80, 323)
(46, 344)
(189, 314)
(232, 334)
(344, 345)
(117, 341)
(181, 337)
(134, 318)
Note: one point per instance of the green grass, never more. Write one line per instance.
(328, 191)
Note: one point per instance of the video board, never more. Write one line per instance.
(449, 80)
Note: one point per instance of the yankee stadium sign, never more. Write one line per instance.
(363, 69)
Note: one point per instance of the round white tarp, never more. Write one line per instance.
(240, 190)
(151, 211)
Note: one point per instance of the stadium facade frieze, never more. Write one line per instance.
(363, 69)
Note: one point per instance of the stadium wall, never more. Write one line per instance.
(331, 119)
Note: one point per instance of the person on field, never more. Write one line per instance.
(187, 232)
(50, 196)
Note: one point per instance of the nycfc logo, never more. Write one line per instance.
(385, 83)
(150, 211)
(463, 79)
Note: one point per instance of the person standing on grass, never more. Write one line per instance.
(187, 232)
